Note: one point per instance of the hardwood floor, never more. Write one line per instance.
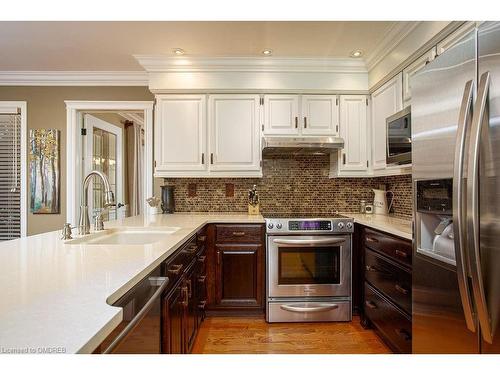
(252, 335)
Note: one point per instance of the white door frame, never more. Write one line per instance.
(12, 105)
(113, 129)
(74, 168)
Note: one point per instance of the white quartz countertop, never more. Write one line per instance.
(385, 223)
(58, 295)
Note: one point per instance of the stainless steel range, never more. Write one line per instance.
(308, 269)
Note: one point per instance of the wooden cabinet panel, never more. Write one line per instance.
(180, 134)
(353, 129)
(281, 114)
(393, 325)
(386, 101)
(239, 281)
(389, 278)
(320, 115)
(411, 70)
(173, 321)
(243, 233)
(395, 248)
(234, 132)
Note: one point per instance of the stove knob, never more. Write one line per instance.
(340, 225)
(279, 226)
(349, 225)
(270, 225)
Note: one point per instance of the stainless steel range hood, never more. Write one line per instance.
(300, 145)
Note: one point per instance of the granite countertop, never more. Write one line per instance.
(386, 223)
(59, 295)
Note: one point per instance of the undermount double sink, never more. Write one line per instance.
(128, 236)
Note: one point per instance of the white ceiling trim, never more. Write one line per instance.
(73, 78)
(389, 41)
(164, 63)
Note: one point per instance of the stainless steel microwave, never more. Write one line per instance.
(399, 137)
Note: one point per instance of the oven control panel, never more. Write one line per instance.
(336, 225)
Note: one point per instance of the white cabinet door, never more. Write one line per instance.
(386, 101)
(281, 114)
(320, 115)
(234, 132)
(353, 129)
(180, 134)
(455, 37)
(410, 71)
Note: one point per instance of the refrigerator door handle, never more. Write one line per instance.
(459, 212)
(480, 119)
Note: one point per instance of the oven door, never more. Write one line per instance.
(309, 266)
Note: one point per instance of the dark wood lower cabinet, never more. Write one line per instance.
(238, 276)
(173, 321)
(386, 285)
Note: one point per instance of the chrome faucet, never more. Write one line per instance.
(109, 200)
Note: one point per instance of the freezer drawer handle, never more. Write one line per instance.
(459, 214)
(141, 314)
(317, 308)
(479, 127)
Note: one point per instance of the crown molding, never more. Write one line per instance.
(389, 41)
(134, 117)
(164, 63)
(73, 78)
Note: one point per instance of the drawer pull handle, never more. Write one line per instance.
(371, 268)
(400, 289)
(371, 239)
(238, 234)
(202, 279)
(370, 304)
(202, 259)
(404, 334)
(202, 238)
(202, 305)
(401, 254)
(184, 293)
(175, 269)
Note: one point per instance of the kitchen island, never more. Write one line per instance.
(57, 295)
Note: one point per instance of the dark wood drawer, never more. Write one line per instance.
(239, 233)
(389, 278)
(396, 248)
(176, 264)
(393, 325)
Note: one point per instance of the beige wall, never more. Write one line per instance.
(46, 109)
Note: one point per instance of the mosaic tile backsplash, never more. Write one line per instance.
(290, 184)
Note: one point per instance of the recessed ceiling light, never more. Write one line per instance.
(267, 52)
(356, 53)
(178, 51)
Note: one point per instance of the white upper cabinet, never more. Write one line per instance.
(455, 37)
(319, 115)
(386, 101)
(234, 132)
(353, 129)
(281, 114)
(180, 134)
(410, 71)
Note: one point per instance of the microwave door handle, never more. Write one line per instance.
(297, 242)
(459, 212)
(479, 120)
(145, 309)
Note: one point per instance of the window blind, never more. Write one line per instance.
(10, 175)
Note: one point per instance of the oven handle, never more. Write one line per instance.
(296, 242)
(133, 323)
(320, 308)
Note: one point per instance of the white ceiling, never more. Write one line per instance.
(109, 46)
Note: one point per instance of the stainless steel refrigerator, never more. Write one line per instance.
(456, 181)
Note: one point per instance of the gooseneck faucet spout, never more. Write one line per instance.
(109, 200)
